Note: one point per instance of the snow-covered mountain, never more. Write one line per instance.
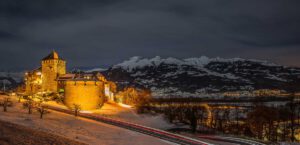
(96, 70)
(201, 76)
(10, 79)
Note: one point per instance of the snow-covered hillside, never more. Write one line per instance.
(74, 128)
(139, 62)
(201, 76)
(10, 79)
(17, 76)
(96, 70)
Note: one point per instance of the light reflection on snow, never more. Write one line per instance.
(87, 112)
(124, 105)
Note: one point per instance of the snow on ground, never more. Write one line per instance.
(128, 114)
(76, 128)
(125, 113)
(28, 136)
(273, 77)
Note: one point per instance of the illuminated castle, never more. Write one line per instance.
(52, 67)
(89, 90)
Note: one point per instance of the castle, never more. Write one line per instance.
(89, 90)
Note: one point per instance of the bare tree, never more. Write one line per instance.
(170, 113)
(77, 109)
(284, 118)
(29, 104)
(192, 114)
(225, 118)
(20, 97)
(6, 102)
(292, 87)
(237, 115)
(262, 121)
(292, 107)
(42, 110)
(298, 113)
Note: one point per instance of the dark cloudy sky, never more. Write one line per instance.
(99, 33)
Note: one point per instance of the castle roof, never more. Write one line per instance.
(52, 55)
(65, 77)
(39, 69)
(80, 77)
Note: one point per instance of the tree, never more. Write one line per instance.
(20, 97)
(29, 104)
(135, 96)
(58, 97)
(215, 118)
(192, 114)
(102, 101)
(77, 109)
(170, 113)
(292, 115)
(237, 116)
(6, 102)
(298, 114)
(292, 87)
(42, 110)
(261, 121)
(225, 118)
(284, 117)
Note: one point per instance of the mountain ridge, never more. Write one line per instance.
(202, 76)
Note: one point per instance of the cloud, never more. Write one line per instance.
(101, 33)
(7, 35)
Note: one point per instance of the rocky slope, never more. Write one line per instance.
(203, 76)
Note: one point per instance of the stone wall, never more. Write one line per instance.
(87, 94)
(50, 70)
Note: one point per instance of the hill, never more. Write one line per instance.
(203, 76)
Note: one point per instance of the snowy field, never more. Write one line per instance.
(79, 129)
(128, 114)
(117, 111)
(28, 136)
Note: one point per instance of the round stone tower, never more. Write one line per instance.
(85, 93)
(52, 67)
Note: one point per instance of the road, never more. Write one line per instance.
(203, 140)
(175, 138)
(222, 140)
(171, 137)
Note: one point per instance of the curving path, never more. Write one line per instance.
(138, 128)
(230, 140)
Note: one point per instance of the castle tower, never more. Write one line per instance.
(52, 67)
